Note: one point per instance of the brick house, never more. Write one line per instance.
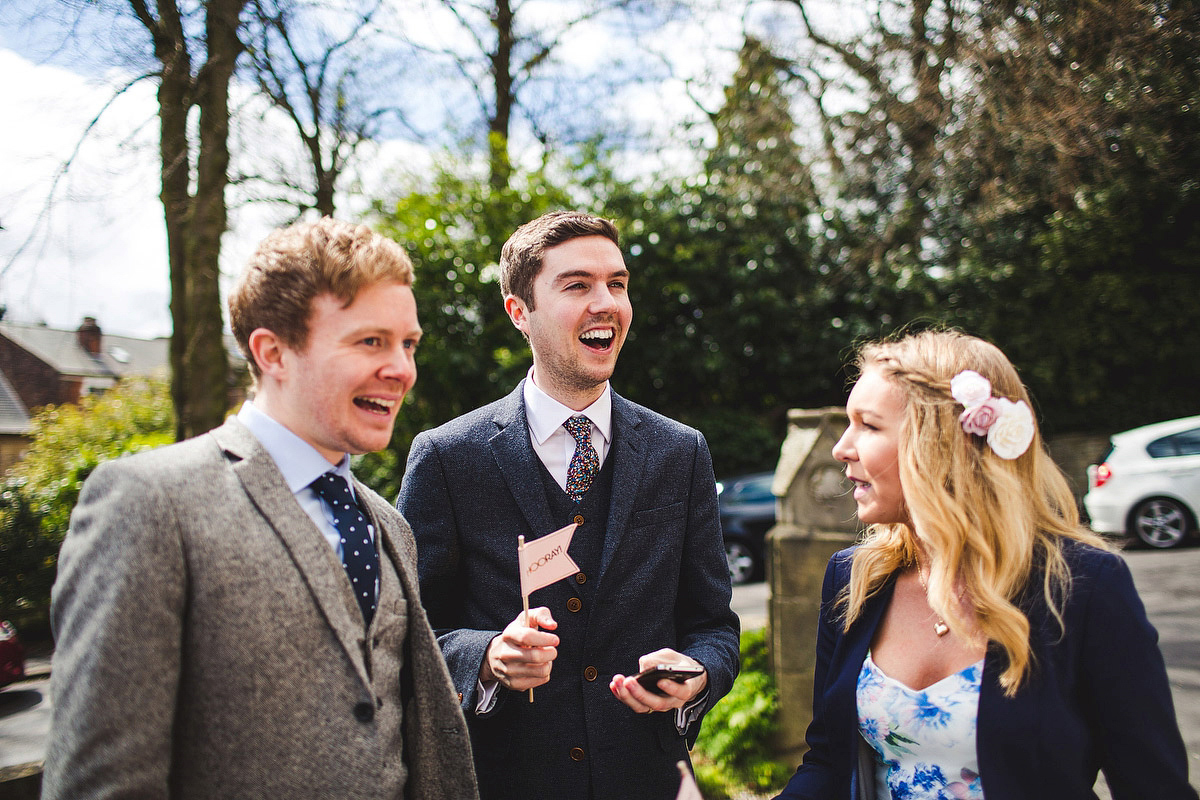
(15, 426)
(51, 366)
(45, 365)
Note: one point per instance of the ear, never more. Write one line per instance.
(267, 350)
(517, 312)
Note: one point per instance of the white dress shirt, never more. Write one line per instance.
(552, 442)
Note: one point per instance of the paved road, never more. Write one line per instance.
(1169, 583)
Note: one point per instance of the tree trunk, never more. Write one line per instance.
(500, 167)
(195, 223)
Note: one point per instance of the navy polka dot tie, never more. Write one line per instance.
(358, 550)
(585, 463)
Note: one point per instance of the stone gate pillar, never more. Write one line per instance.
(815, 517)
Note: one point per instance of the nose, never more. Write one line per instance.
(401, 368)
(603, 301)
(842, 449)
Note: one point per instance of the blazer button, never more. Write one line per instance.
(580, 577)
(577, 754)
(591, 673)
(363, 712)
(574, 604)
(578, 519)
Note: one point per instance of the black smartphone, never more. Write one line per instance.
(649, 678)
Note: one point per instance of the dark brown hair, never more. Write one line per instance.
(521, 256)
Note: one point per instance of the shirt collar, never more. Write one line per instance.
(297, 460)
(546, 415)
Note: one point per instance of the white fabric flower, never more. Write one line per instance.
(970, 388)
(1010, 435)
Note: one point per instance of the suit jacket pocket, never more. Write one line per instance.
(657, 516)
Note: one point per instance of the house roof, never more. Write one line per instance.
(119, 355)
(14, 418)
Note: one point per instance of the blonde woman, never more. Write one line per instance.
(978, 642)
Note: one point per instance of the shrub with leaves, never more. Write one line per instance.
(38, 494)
(734, 751)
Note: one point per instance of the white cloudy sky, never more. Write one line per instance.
(99, 249)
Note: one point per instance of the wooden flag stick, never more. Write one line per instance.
(524, 600)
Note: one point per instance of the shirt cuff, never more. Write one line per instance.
(487, 696)
(690, 712)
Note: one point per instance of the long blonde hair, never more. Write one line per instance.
(983, 521)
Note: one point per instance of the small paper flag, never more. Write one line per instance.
(544, 561)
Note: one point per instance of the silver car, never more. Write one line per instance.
(1148, 483)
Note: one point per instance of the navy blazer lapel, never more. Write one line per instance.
(518, 463)
(312, 555)
(628, 452)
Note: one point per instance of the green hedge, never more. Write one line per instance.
(38, 494)
(734, 754)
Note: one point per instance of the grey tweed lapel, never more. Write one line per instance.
(312, 555)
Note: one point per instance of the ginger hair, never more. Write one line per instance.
(294, 265)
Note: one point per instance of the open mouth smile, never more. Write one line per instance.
(376, 405)
(601, 339)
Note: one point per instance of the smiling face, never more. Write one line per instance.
(870, 448)
(581, 314)
(341, 392)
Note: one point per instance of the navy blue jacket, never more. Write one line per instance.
(1096, 698)
(471, 487)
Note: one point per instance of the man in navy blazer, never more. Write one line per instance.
(653, 584)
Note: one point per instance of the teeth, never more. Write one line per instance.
(378, 402)
(596, 335)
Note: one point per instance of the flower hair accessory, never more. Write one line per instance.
(1008, 426)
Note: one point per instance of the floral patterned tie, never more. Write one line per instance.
(585, 463)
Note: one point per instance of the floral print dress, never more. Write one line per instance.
(925, 740)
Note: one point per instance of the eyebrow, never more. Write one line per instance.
(376, 330)
(585, 273)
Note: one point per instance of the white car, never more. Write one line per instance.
(1148, 483)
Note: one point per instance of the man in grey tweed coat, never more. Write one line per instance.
(209, 643)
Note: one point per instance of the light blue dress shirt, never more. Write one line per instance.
(300, 464)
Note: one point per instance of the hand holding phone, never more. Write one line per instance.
(679, 673)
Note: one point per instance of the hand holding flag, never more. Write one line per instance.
(542, 562)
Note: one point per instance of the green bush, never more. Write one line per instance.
(38, 494)
(734, 751)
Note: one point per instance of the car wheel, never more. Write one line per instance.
(743, 564)
(1160, 522)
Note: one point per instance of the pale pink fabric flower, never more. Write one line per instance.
(979, 419)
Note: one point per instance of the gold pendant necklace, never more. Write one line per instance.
(939, 627)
